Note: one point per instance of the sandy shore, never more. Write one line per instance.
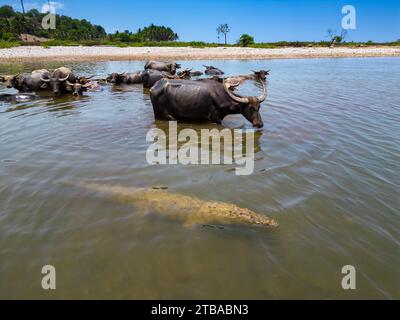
(32, 53)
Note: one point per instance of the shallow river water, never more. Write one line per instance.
(327, 169)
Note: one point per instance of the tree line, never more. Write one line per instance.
(147, 34)
(13, 24)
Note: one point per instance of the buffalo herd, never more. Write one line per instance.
(174, 94)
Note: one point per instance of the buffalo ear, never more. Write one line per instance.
(68, 88)
(43, 86)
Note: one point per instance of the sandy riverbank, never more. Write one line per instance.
(30, 53)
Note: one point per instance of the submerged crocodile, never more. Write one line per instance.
(188, 209)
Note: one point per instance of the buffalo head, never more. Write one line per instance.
(261, 75)
(58, 79)
(10, 81)
(77, 88)
(174, 66)
(210, 70)
(250, 106)
(83, 79)
(116, 78)
(184, 74)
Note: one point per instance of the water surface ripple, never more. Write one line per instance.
(328, 169)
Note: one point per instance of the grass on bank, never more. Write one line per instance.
(9, 44)
(195, 44)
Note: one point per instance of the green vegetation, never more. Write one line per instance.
(8, 44)
(151, 33)
(13, 23)
(336, 38)
(75, 32)
(245, 40)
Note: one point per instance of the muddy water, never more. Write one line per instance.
(327, 169)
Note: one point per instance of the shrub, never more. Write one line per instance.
(245, 40)
(9, 44)
(8, 36)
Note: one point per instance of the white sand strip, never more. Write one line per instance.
(29, 53)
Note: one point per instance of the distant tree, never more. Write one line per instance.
(33, 13)
(336, 38)
(7, 12)
(18, 24)
(245, 40)
(223, 29)
(157, 33)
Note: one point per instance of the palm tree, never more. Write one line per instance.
(22, 5)
(223, 29)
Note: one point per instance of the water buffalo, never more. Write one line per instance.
(236, 81)
(33, 82)
(90, 83)
(204, 100)
(196, 73)
(213, 71)
(12, 81)
(83, 79)
(78, 88)
(184, 74)
(126, 78)
(58, 80)
(19, 97)
(28, 82)
(150, 76)
(162, 66)
(262, 74)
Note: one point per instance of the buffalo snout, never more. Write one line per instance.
(55, 85)
(258, 124)
(257, 120)
(252, 114)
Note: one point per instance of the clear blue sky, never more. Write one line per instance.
(266, 20)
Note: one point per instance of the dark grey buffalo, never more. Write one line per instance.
(150, 76)
(162, 66)
(78, 88)
(12, 81)
(184, 74)
(196, 73)
(18, 97)
(58, 80)
(125, 78)
(28, 82)
(204, 100)
(213, 71)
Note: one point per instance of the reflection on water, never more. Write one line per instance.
(326, 168)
